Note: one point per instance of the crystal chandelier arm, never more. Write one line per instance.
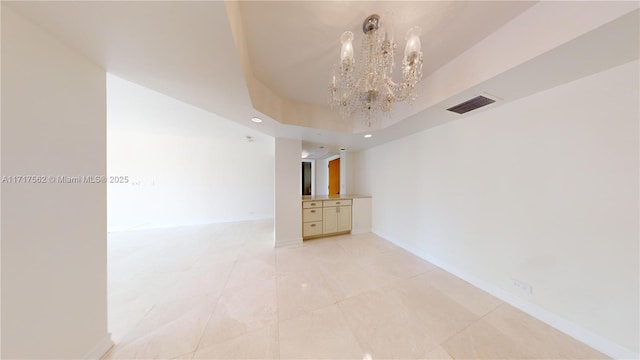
(367, 87)
(400, 91)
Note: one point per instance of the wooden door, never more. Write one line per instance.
(334, 176)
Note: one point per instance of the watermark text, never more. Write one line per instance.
(64, 179)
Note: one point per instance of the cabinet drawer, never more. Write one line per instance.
(336, 202)
(314, 214)
(312, 228)
(311, 204)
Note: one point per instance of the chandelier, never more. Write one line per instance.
(366, 87)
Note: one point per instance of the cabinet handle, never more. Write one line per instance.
(313, 225)
(312, 211)
(313, 204)
(338, 203)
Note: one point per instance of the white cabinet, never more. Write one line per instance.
(329, 220)
(312, 214)
(336, 219)
(326, 217)
(336, 216)
(344, 218)
(311, 204)
(312, 229)
(311, 219)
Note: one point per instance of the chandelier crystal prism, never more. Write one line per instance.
(366, 87)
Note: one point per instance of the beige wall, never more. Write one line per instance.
(288, 177)
(53, 235)
(543, 190)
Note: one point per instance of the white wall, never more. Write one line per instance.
(185, 166)
(543, 190)
(288, 206)
(322, 176)
(54, 265)
(344, 166)
(349, 172)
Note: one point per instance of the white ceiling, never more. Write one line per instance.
(294, 45)
(212, 54)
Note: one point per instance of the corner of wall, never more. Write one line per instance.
(575, 331)
(100, 349)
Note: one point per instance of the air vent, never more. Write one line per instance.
(476, 102)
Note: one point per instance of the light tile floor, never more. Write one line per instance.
(223, 292)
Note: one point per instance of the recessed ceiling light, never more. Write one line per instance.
(305, 154)
(368, 136)
(256, 120)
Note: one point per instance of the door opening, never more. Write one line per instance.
(306, 178)
(334, 177)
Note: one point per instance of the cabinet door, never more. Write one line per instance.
(344, 218)
(329, 220)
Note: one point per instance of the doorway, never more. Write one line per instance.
(334, 177)
(306, 178)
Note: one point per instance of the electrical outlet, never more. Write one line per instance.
(522, 286)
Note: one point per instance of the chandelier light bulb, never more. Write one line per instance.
(347, 46)
(413, 42)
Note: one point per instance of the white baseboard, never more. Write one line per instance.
(577, 332)
(100, 348)
(289, 242)
(153, 226)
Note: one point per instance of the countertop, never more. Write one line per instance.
(332, 197)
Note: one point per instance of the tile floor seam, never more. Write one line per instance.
(420, 273)
(383, 286)
(235, 337)
(204, 329)
(325, 282)
(308, 312)
(351, 252)
(363, 348)
(181, 355)
(215, 304)
(470, 324)
(357, 263)
(138, 323)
